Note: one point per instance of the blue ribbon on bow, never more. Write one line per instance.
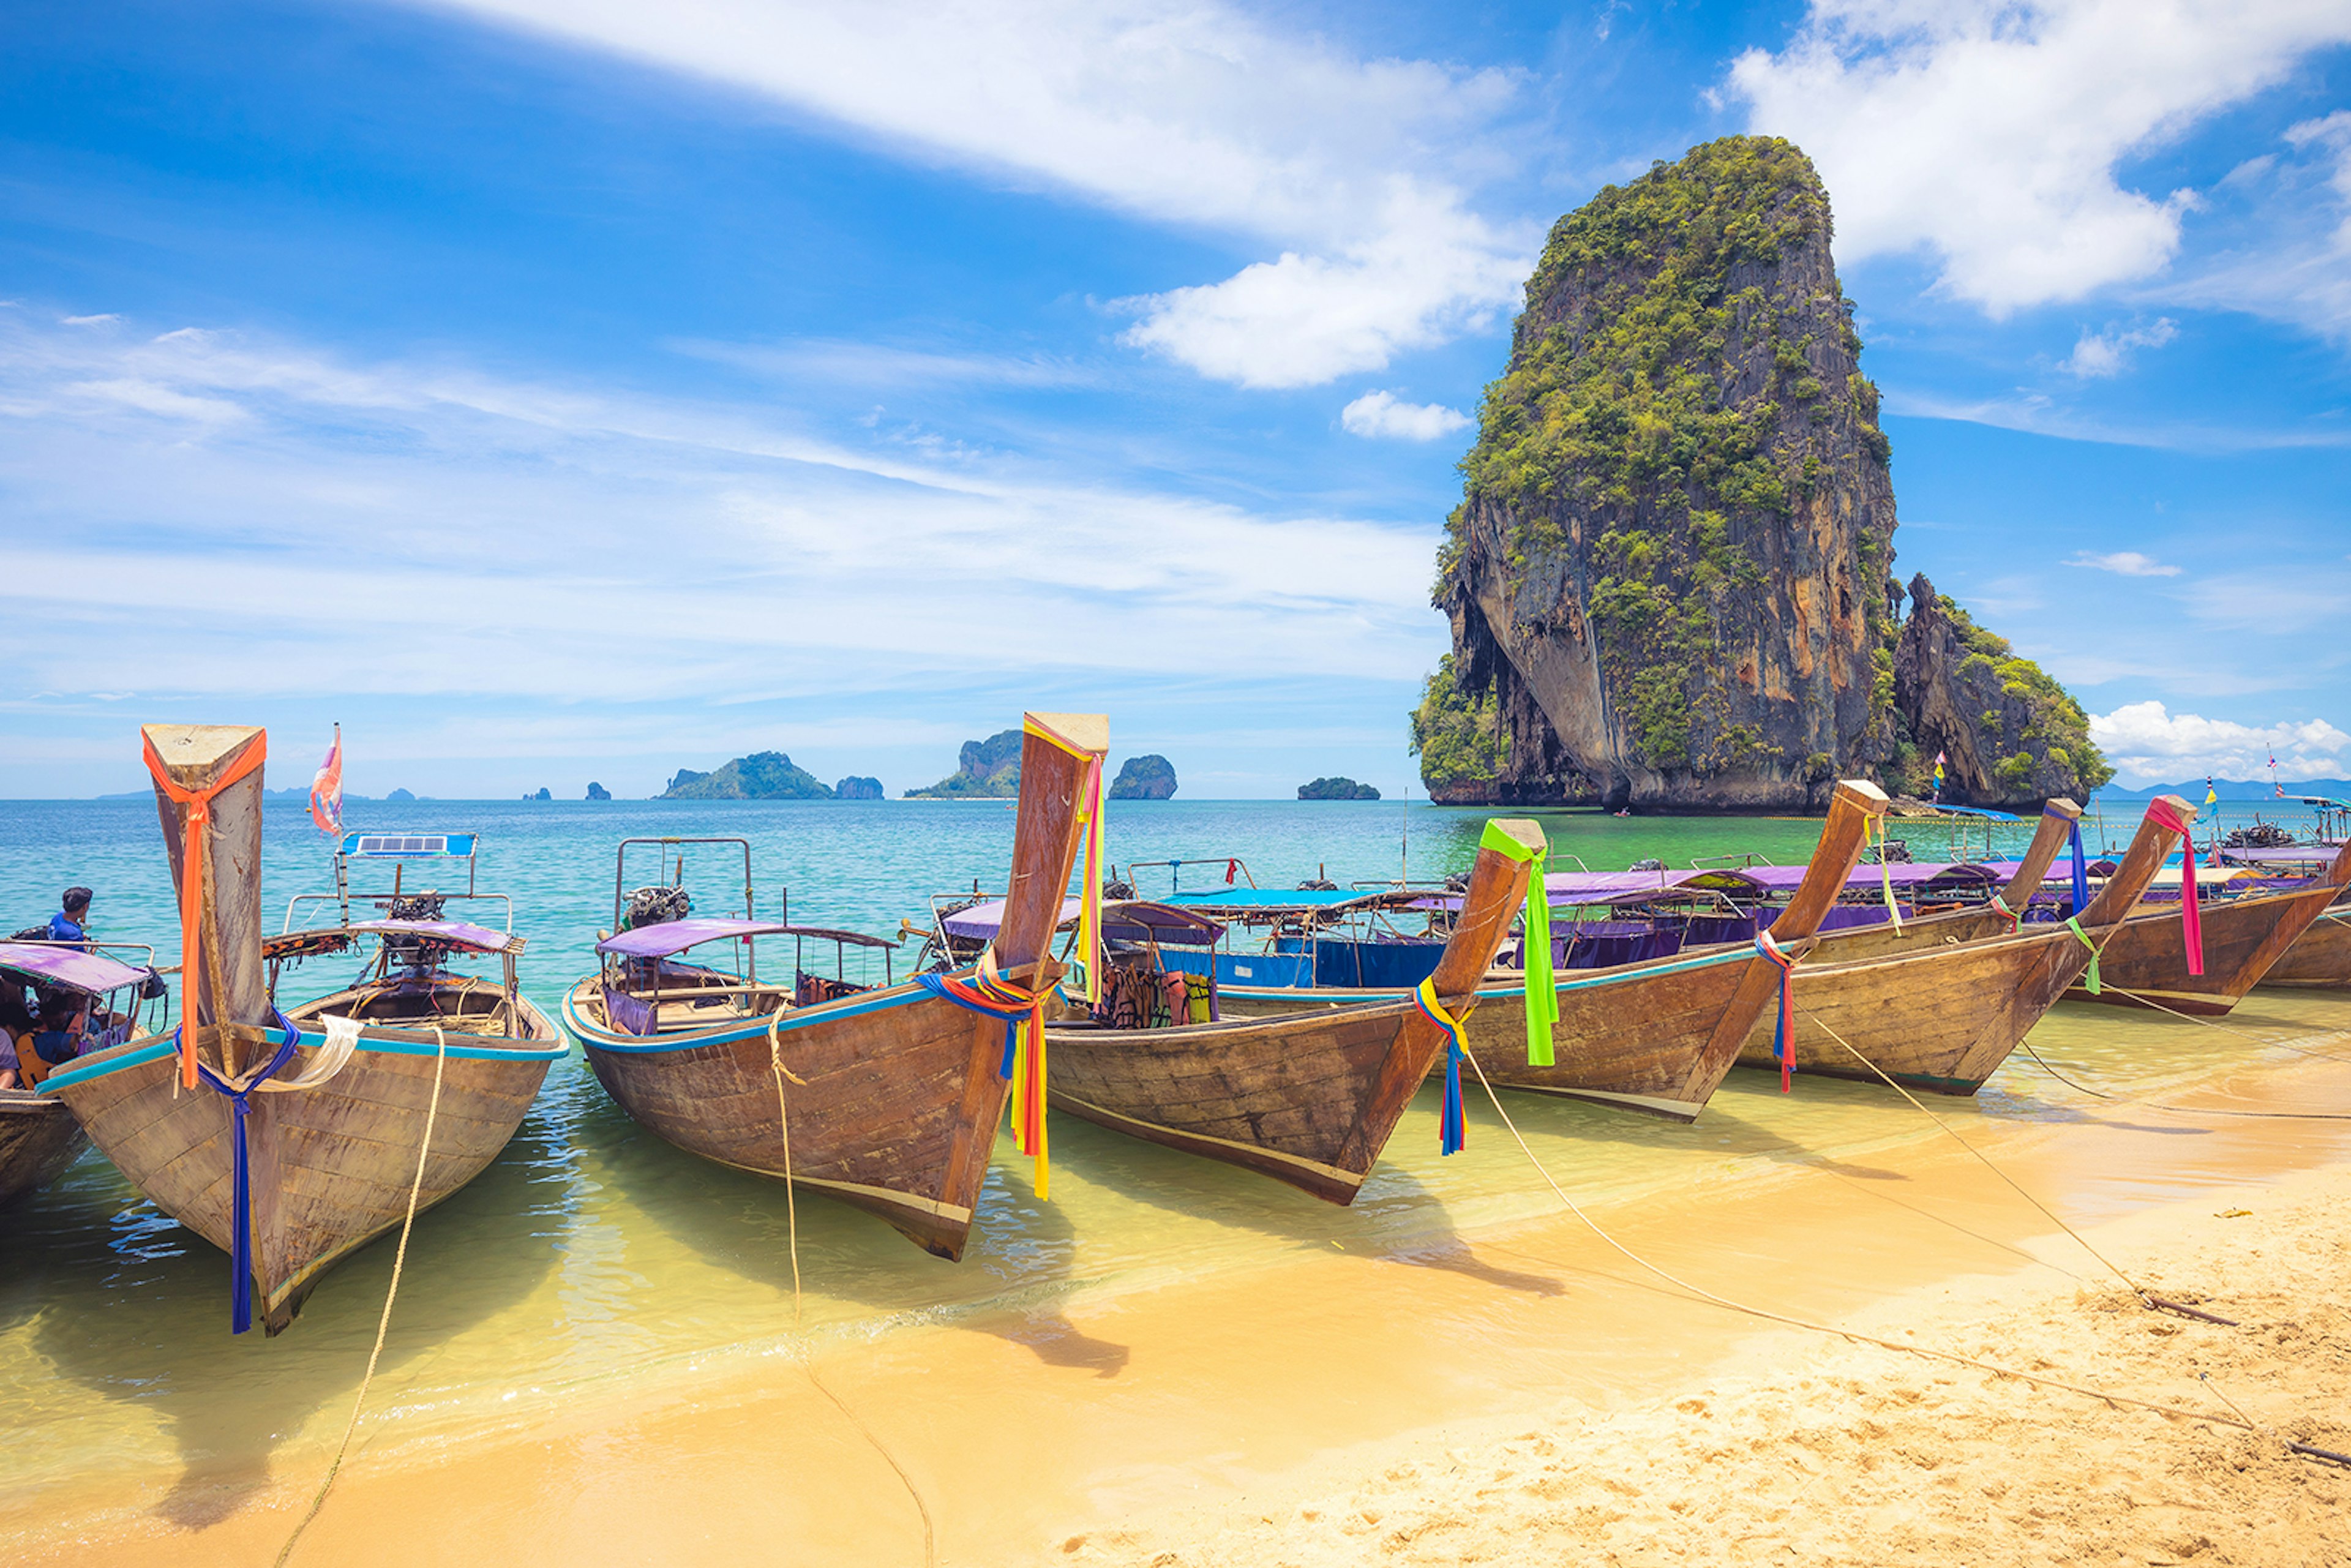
(240, 1252)
(972, 1001)
(2081, 871)
(1452, 1124)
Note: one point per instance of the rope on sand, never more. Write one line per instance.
(399, 1260)
(1767, 1315)
(808, 1362)
(2152, 1302)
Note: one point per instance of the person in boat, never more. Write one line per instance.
(71, 921)
(57, 1041)
(15, 1027)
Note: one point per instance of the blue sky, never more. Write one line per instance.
(555, 392)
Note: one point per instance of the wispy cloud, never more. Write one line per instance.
(1379, 414)
(1186, 111)
(1991, 133)
(2038, 413)
(882, 365)
(2124, 563)
(392, 528)
(2148, 744)
(2108, 353)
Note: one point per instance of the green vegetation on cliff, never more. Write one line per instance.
(762, 775)
(1457, 737)
(1150, 777)
(987, 769)
(1336, 789)
(1664, 416)
(2055, 724)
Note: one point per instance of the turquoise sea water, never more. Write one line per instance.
(592, 1253)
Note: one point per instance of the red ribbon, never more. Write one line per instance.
(1230, 867)
(1783, 1038)
(2191, 920)
(199, 803)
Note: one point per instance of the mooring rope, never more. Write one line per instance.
(1767, 1315)
(2272, 1041)
(2153, 1302)
(806, 1360)
(383, 1323)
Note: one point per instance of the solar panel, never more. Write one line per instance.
(402, 846)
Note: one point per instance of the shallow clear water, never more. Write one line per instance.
(591, 1253)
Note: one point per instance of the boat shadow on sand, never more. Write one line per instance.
(854, 1268)
(1396, 1219)
(132, 1305)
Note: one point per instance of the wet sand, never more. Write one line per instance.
(1505, 1388)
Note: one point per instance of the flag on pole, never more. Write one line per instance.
(2275, 787)
(1939, 774)
(2211, 796)
(327, 788)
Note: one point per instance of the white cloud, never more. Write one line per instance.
(1378, 413)
(2287, 225)
(524, 540)
(2147, 744)
(1989, 133)
(2108, 353)
(2124, 563)
(1186, 111)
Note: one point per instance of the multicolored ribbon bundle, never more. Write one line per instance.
(1783, 1027)
(327, 788)
(199, 804)
(2015, 921)
(1542, 990)
(1022, 1012)
(1452, 1126)
(2191, 919)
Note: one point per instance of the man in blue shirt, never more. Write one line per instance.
(66, 925)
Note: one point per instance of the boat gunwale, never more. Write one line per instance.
(476, 1048)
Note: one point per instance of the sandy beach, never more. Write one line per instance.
(1503, 1389)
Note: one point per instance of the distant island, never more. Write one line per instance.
(1337, 789)
(857, 787)
(1149, 778)
(989, 770)
(544, 794)
(597, 791)
(762, 775)
(393, 798)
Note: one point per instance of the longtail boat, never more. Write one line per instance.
(1943, 1015)
(38, 1136)
(2242, 939)
(2320, 956)
(1310, 1098)
(1657, 1036)
(291, 1139)
(893, 1093)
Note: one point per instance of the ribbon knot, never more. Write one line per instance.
(2015, 920)
(2191, 919)
(2074, 923)
(1452, 1126)
(1022, 1012)
(239, 1091)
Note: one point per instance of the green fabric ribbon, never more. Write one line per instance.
(1542, 991)
(2074, 923)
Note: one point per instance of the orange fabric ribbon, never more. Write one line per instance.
(199, 803)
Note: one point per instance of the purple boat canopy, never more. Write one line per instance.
(1924, 873)
(61, 965)
(677, 935)
(1129, 920)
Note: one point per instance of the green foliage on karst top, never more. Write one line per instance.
(1457, 735)
(2057, 723)
(1619, 417)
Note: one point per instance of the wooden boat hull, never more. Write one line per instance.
(2244, 939)
(1940, 1018)
(1308, 1101)
(331, 1166)
(2320, 956)
(38, 1139)
(1636, 1039)
(895, 1108)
